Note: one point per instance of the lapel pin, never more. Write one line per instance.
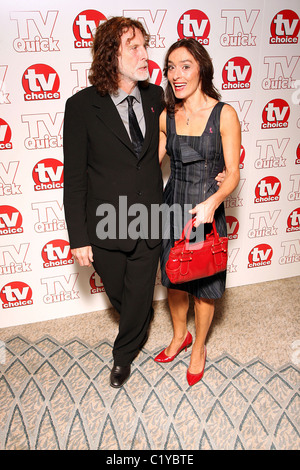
(152, 110)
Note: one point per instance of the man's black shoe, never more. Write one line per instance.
(119, 375)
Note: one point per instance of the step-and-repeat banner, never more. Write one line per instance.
(45, 58)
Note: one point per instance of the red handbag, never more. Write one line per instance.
(188, 262)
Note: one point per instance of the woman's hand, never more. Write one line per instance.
(220, 177)
(205, 212)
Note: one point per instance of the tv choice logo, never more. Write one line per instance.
(155, 72)
(236, 74)
(242, 157)
(84, 27)
(96, 284)
(260, 255)
(297, 161)
(293, 221)
(10, 220)
(40, 82)
(285, 28)
(57, 253)
(232, 227)
(16, 294)
(48, 174)
(35, 32)
(194, 24)
(267, 190)
(239, 25)
(275, 114)
(5, 135)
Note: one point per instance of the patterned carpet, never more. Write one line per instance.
(57, 396)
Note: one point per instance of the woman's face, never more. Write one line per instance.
(183, 73)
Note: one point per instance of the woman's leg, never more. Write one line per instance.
(179, 305)
(204, 312)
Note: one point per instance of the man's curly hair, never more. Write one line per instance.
(104, 72)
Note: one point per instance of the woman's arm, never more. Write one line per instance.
(162, 136)
(231, 140)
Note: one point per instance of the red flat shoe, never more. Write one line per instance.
(194, 378)
(162, 357)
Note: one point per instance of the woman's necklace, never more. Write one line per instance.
(193, 112)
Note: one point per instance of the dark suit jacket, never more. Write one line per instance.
(100, 165)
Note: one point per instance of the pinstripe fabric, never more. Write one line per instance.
(195, 162)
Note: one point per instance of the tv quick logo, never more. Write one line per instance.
(267, 190)
(260, 255)
(8, 172)
(293, 221)
(242, 110)
(3, 94)
(48, 174)
(35, 31)
(234, 199)
(16, 294)
(13, 259)
(291, 251)
(57, 253)
(279, 73)
(285, 28)
(263, 224)
(194, 24)
(40, 82)
(5, 136)
(45, 131)
(236, 74)
(96, 284)
(294, 194)
(60, 289)
(50, 215)
(82, 70)
(232, 227)
(152, 24)
(10, 221)
(271, 153)
(84, 27)
(239, 28)
(242, 157)
(231, 266)
(155, 72)
(275, 114)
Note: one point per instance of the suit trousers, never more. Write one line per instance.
(129, 280)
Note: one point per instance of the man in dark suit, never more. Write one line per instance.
(108, 157)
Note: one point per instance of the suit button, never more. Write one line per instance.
(139, 193)
(138, 167)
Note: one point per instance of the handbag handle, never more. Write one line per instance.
(186, 233)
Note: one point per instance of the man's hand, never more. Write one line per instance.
(83, 255)
(220, 177)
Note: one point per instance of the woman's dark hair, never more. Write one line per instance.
(104, 72)
(206, 68)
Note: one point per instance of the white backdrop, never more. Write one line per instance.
(45, 58)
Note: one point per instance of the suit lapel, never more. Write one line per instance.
(149, 114)
(108, 114)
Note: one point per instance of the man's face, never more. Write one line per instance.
(133, 59)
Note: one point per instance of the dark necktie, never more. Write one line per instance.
(134, 128)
